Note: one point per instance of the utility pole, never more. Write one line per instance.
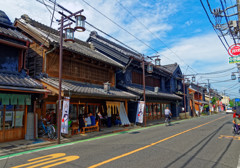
(184, 97)
(238, 9)
(144, 95)
(209, 97)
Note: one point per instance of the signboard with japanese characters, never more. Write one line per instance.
(235, 59)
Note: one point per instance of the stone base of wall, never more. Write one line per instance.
(183, 116)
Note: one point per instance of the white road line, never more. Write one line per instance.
(238, 162)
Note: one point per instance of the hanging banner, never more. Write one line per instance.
(140, 111)
(65, 114)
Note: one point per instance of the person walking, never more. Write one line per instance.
(168, 114)
(81, 122)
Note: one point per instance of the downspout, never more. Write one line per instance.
(46, 53)
(129, 62)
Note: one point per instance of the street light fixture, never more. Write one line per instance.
(80, 23)
(193, 79)
(150, 68)
(69, 36)
(233, 76)
(157, 62)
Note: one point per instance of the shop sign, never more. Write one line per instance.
(235, 59)
(65, 115)
(234, 50)
(140, 111)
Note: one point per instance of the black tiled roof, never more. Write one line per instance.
(118, 52)
(115, 50)
(13, 33)
(171, 67)
(18, 80)
(149, 92)
(79, 88)
(78, 46)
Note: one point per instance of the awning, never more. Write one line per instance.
(200, 101)
(15, 99)
(149, 92)
(85, 89)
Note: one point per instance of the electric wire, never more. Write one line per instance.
(227, 22)
(50, 22)
(214, 27)
(121, 27)
(151, 32)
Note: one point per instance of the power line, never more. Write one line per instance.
(151, 32)
(120, 26)
(213, 26)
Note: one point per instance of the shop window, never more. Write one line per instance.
(158, 109)
(19, 116)
(91, 109)
(73, 112)
(9, 117)
(150, 110)
(81, 109)
(51, 115)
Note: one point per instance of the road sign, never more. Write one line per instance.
(235, 59)
(234, 50)
(237, 99)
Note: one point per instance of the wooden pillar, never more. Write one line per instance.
(126, 107)
(34, 118)
(4, 116)
(25, 121)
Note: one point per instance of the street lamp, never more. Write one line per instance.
(69, 36)
(80, 23)
(193, 79)
(150, 68)
(233, 76)
(157, 62)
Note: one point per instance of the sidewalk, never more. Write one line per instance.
(7, 148)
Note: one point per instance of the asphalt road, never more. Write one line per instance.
(201, 142)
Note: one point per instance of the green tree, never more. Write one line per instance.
(214, 100)
(231, 103)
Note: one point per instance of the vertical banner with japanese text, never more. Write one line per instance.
(65, 115)
(140, 111)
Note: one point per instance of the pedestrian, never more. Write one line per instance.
(167, 113)
(236, 119)
(81, 122)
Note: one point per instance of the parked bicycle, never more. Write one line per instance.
(48, 130)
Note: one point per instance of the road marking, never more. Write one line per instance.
(85, 140)
(152, 144)
(229, 137)
(56, 159)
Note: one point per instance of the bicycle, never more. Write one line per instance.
(48, 130)
(168, 121)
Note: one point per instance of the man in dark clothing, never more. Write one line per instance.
(81, 122)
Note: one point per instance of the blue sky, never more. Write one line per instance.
(178, 30)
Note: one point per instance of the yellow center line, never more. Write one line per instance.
(150, 145)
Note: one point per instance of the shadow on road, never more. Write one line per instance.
(208, 138)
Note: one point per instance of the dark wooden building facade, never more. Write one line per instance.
(158, 91)
(17, 90)
(84, 72)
